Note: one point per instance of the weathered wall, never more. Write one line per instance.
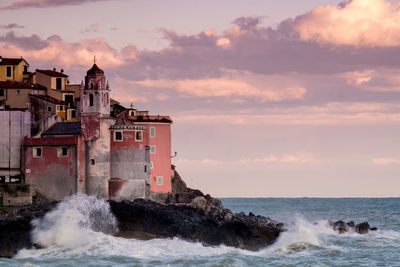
(98, 160)
(127, 189)
(55, 176)
(17, 98)
(130, 167)
(15, 194)
(14, 126)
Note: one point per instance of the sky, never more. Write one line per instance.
(269, 98)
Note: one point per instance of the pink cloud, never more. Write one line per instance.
(369, 23)
(223, 87)
(56, 52)
(331, 114)
(385, 161)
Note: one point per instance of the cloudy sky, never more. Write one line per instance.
(269, 98)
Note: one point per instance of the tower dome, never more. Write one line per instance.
(95, 71)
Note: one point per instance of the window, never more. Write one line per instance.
(58, 83)
(153, 149)
(93, 161)
(151, 165)
(118, 136)
(73, 113)
(91, 86)
(18, 91)
(60, 108)
(49, 108)
(37, 152)
(139, 136)
(152, 131)
(25, 69)
(159, 180)
(69, 99)
(62, 152)
(132, 113)
(99, 85)
(91, 99)
(145, 168)
(1, 92)
(9, 72)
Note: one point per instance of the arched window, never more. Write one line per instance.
(99, 85)
(91, 100)
(91, 85)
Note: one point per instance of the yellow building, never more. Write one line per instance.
(56, 84)
(15, 69)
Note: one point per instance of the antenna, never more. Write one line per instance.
(94, 60)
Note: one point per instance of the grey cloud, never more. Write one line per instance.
(11, 26)
(29, 43)
(46, 3)
(247, 23)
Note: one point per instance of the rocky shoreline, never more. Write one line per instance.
(185, 213)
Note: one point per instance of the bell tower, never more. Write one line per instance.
(95, 102)
(95, 92)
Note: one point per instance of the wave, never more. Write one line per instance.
(83, 226)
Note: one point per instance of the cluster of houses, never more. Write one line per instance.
(61, 138)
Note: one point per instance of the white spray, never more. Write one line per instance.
(74, 222)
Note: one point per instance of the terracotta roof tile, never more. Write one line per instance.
(11, 61)
(19, 85)
(49, 99)
(52, 73)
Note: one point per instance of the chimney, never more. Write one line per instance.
(54, 69)
(62, 70)
(1, 59)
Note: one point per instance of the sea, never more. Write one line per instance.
(79, 233)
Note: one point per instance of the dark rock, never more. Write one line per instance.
(362, 228)
(342, 227)
(147, 219)
(213, 227)
(351, 224)
(15, 231)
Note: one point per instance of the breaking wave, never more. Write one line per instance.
(82, 226)
(74, 222)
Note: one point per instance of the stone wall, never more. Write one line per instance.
(13, 195)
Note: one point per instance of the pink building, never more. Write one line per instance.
(158, 139)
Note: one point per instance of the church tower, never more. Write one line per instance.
(95, 101)
(95, 130)
(96, 92)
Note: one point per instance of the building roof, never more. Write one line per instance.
(95, 70)
(64, 128)
(11, 61)
(19, 85)
(147, 118)
(49, 99)
(52, 73)
(124, 124)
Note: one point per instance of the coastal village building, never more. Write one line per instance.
(79, 140)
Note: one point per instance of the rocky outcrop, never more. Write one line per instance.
(197, 221)
(342, 227)
(180, 193)
(145, 219)
(15, 231)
